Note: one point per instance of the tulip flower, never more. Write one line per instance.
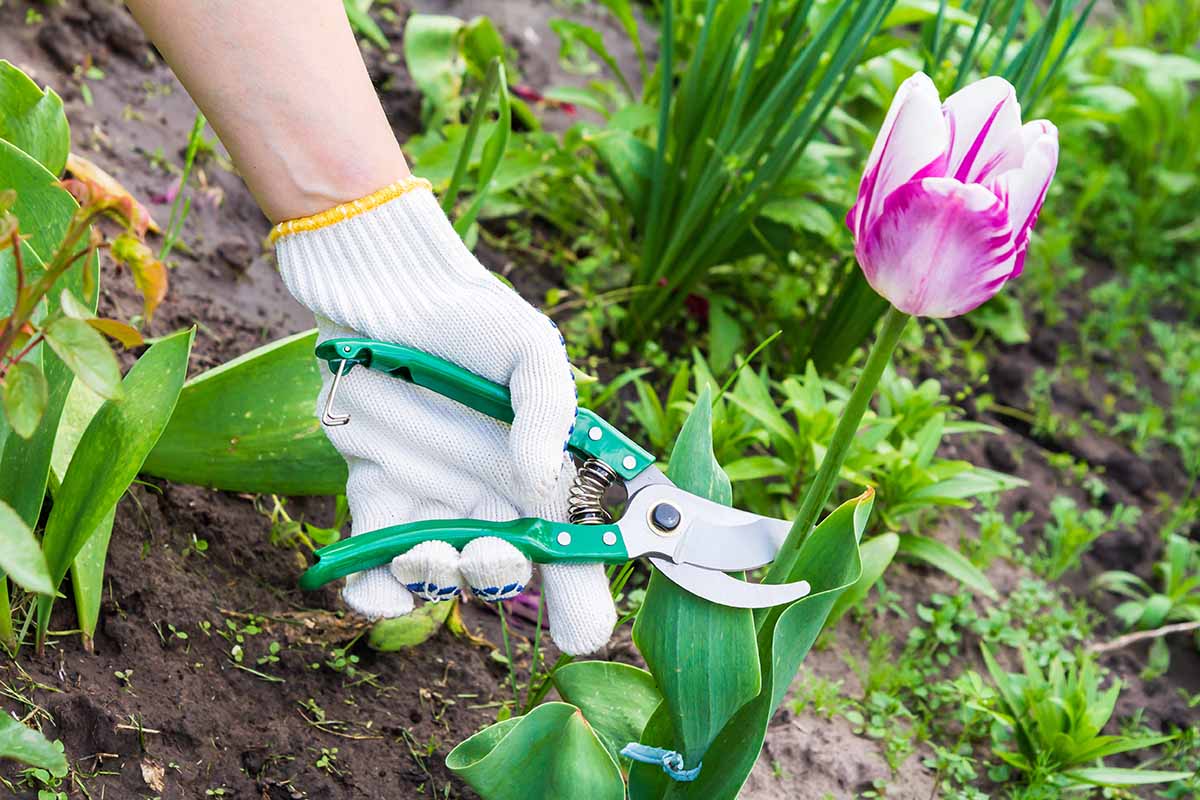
(947, 201)
(949, 196)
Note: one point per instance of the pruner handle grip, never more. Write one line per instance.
(540, 540)
(592, 436)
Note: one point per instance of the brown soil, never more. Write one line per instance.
(187, 719)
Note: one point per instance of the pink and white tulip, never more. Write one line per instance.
(949, 196)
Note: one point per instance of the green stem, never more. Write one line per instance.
(894, 322)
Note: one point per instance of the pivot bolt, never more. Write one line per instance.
(665, 517)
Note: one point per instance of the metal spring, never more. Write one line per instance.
(586, 499)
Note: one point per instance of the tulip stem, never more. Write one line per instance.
(894, 322)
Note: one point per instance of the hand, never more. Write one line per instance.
(398, 273)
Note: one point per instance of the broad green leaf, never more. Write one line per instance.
(1113, 776)
(32, 119)
(250, 425)
(906, 12)
(21, 554)
(390, 635)
(876, 555)
(481, 43)
(87, 575)
(829, 561)
(702, 654)
(432, 57)
(548, 754)
(630, 163)
(616, 699)
(87, 355)
(25, 397)
(948, 560)
(29, 746)
(110, 453)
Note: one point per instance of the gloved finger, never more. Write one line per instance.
(494, 569)
(579, 605)
(374, 593)
(545, 402)
(429, 570)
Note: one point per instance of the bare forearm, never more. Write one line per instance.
(285, 88)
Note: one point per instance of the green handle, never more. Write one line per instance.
(540, 541)
(591, 437)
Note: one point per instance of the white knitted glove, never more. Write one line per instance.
(390, 267)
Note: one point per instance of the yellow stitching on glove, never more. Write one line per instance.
(345, 211)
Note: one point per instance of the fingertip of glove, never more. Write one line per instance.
(375, 594)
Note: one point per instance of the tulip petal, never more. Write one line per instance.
(939, 249)
(911, 144)
(1024, 190)
(985, 130)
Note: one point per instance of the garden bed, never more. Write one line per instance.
(162, 707)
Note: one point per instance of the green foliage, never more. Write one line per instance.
(248, 426)
(28, 746)
(616, 699)
(1070, 532)
(1056, 717)
(1176, 600)
(551, 752)
(110, 454)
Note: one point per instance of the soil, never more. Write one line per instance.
(150, 713)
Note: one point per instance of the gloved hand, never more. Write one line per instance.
(390, 267)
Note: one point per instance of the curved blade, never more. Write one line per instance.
(709, 535)
(717, 587)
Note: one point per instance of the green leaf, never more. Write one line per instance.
(32, 119)
(110, 453)
(29, 746)
(876, 555)
(1113, 776)
(87, 574)
(948, 560)
(630, 163)
(496, 144)
(702, 654)
(250, 426)
(25, 397)
(363, 25)
(410, 630)
(21, 554)
(829, 561)
(573, 33)
(25, 463)
(86, 354)
(548, 754)
(432, 57)
(616, 699)
(481, 43)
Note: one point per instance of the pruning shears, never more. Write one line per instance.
(691, 540)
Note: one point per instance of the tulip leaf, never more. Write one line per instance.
(548, 754)
(250, 425)
(829, 560)
(1114, 776)
(21, 554)
(616, 699)
(110, 453)
(702, 654)
(876, 555)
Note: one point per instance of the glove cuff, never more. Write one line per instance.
(345, 211)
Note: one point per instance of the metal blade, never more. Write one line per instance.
(708, 535)
(717, 587)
